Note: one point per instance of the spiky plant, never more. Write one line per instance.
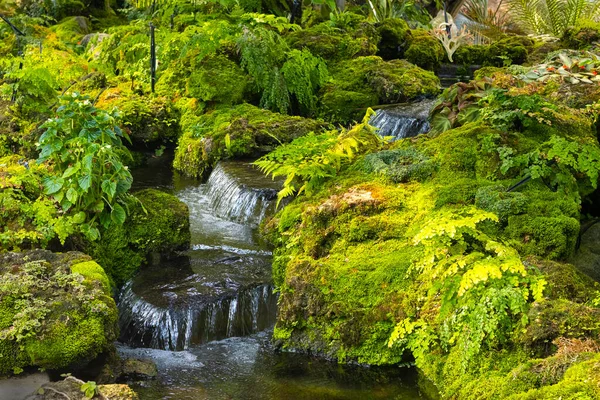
(551, 17)
(486, 22)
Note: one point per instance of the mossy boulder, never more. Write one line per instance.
(249, 130)
(335, 44)
(150, 120)
(395, 38)
(72, 29)
(368, 81)
(425, 50)
(56, 311)
(581, 36)
(505, 51)
(217, 79)
(158, 223)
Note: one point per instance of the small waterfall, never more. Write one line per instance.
(403, 121)
(179, 326)
(241, 193)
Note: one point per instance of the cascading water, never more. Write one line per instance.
(178, 312)
(403, 121)
(195, 321)
(238, 193)
(219, 288)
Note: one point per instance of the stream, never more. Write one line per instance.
(205, 316)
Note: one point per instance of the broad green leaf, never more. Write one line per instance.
(118, 214)
(85, 182)
(72, 195)
(53, 184)
(110, 188)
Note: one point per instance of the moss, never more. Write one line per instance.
(217, 79)
(150, 121)
(395, 37)
(357, 83)
(72, 29)
(471, 55)
(252, 131)
(581, 36)
(75, 319)
(512, 48)
(334, 44)
(158, 224)
(559, 318)
(425, 50)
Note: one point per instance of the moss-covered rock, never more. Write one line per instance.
(56, 311)
(395, 38)
(158, 224)
(72, 29)
(335, 44)
(250, 131)
(425, 50)
(150, 120)
(217, 79)
(581, 36)
(367, 81)
(587, 256)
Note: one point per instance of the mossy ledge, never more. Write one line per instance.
(351, 264)
(56, 311)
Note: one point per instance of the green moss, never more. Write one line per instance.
(72, 29)
(425, 50)
(150, 121)
(581, 36)
(471, 55)
(252, 131)
(512, 48)
(158, 224)
(92, 272)
(217, 79)
(368, 81)
(61, 308)
(334, 44)
(395, 38)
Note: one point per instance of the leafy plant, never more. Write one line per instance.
(309, 160)
(84, 147)
(485, 21)
(475, 290)
(458, 105)
(89, 389)
(567, 66)
(280, 74)
(410, 10)
(551, 16)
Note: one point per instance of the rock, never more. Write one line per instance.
(158, 223)
(70, 388)
(56, 311)
(587, 258)
(19, 387)
(136, 370)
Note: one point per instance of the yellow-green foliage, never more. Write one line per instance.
(251, 131)
(368, 81)
(430, 260)
(28, 218)
(56, 311)
(72, 29)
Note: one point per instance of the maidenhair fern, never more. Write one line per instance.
(478, 287)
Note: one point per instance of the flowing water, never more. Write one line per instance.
(205, 317)
(403, 121)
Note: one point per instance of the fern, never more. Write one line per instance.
(310, 160)
(304, 75)
(552, 16)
